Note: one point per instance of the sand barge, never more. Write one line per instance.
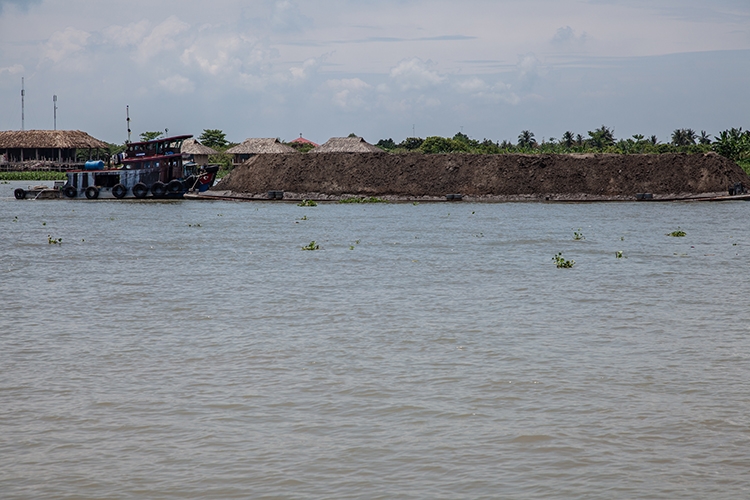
(506, 177)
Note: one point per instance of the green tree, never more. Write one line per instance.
(213, 138)
(435, 145)
(704, 138)
(411, 143)
(526, 139)
(568, 139)
(683, 137)
(386, 144)
(733, 144)
(150, 136)
(602, 137)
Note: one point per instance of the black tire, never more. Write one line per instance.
(92, 192)
(70, 191)
(19, 193)
(158, 189)
(140, 190)
(174, 187)
(119, 191)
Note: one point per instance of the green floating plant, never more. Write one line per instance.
(307, 203)
(357, 199)
(54, 241)
(561, 262)
(677, 234)
(311, 246)
(578, 235)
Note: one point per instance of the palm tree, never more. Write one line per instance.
(526, 139)
(638, 138)
(653, 140)
(683, 137)
(704, 138)
(602, 137)
(568, 139)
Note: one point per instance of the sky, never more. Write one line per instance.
(379, 69)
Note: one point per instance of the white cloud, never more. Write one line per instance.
(286, 17)
(177, 84)
(349, 93)
(480, 89)
(528, 70)
(566, 36)
(13, 70)
(163, 37)
(303, 72)
(415, 74)
(124, 36)
(64, 43)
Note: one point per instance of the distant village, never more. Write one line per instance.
(60, 150)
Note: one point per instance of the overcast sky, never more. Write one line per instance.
(386, 68)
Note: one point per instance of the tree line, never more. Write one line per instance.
(733, 143)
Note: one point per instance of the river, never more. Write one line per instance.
(191, 349)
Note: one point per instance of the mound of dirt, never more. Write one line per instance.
(414, 176)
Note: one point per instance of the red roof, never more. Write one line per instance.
(302, 140)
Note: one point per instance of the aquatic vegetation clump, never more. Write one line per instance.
(561, 262)
(54, 241)
(578, 235)
(677, 234)
(307, 203)
(34, 175)
(311, 246)
(619, 254)
(357, 199)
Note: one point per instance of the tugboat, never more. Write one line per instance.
(152, 168)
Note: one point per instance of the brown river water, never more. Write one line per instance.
(193, 350)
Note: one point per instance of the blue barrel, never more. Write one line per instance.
(95, 165)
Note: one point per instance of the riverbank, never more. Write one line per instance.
(422, 177)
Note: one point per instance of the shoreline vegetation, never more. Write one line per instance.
(733, 144)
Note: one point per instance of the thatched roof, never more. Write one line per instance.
(193, 147)
(260, 146)
(49, 139)
(346, 145)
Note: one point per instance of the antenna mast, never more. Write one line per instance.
(127, 112)
(54, 105)
(23, 94)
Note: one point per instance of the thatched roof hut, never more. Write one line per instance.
(53, 147)
(347, 145)
(193, 147)
(197, 151)
(251, 147)
(49, 139)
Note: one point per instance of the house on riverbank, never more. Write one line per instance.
(48, 149)
(251, 147)
(196, 152)
(347, 145)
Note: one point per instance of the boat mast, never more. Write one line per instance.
(23, 94)
(127, 113)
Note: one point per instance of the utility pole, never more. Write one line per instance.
(23, 95)
(54, 105)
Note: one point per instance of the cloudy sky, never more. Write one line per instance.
(386, 68)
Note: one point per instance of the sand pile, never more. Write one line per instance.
(501, 177)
